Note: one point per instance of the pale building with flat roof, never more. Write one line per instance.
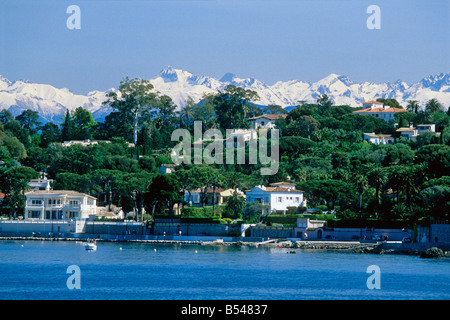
(59, 205)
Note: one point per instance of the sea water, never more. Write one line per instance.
(128, 271)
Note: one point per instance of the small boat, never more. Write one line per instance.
(91, 245)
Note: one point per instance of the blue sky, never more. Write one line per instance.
(265, 39)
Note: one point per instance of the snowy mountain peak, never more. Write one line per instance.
(4, 83)
(52, 103)
(436, 82)
(170, 74)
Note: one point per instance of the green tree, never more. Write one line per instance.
(256, 212)
(433, 106)
(377, 178)
(50, 133)
(83, 124)
(236, 205)
(273, 109)
(233, 107)
(67, 128)
(29, 120)
(162, 194)
(436, 157)
(133, 101)
(13, 183)
(6, 116)
(15, 148)
(413, 106)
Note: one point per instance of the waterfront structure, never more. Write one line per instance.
(59, 205)
(378, 138)
(265, 121)
(306, 225)
(279, 196)
(379, 110)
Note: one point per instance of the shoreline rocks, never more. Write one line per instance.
(433, 253)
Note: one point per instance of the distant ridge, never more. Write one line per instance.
(52, 103)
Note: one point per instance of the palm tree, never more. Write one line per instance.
(413, 106)
(236, 204)
(186, 113)
(433, 106)
(377, 178)
(361, 183)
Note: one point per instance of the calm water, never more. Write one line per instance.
(37, 270)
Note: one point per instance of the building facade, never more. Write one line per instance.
(265, 121)
(59, 205)
(379, 110)
(378, 138)
(411, 132)
(280, 196)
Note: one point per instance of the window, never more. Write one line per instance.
(34, 214)
(297, 199)
(36, 202)
(72, 214)
(73, 202)
(280, 199)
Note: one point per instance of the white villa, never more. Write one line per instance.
(59, 205)
(279, 196)
(240, 138)
(265, 121)
(378, 138)
(412, 133)
(379, 110)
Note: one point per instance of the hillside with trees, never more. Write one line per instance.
(321, 148)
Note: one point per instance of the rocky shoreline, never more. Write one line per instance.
(331, 246)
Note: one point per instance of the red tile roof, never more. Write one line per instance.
(270, 116)
(378, 110)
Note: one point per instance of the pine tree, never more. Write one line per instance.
(67, 127)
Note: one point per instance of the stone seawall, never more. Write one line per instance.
(331, 246)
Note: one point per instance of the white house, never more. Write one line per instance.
(379, 110)
(265, 121)
(378, 138)
(59, 205)
(412, 133)
(279, 196)
(40, 184)
(421, 128)
(240, 138)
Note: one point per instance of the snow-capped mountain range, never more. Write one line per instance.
(52, 103)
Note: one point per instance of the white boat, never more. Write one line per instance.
(91, 245)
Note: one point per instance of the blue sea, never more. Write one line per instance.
(40, 270)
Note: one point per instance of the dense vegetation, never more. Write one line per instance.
(321, 150)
